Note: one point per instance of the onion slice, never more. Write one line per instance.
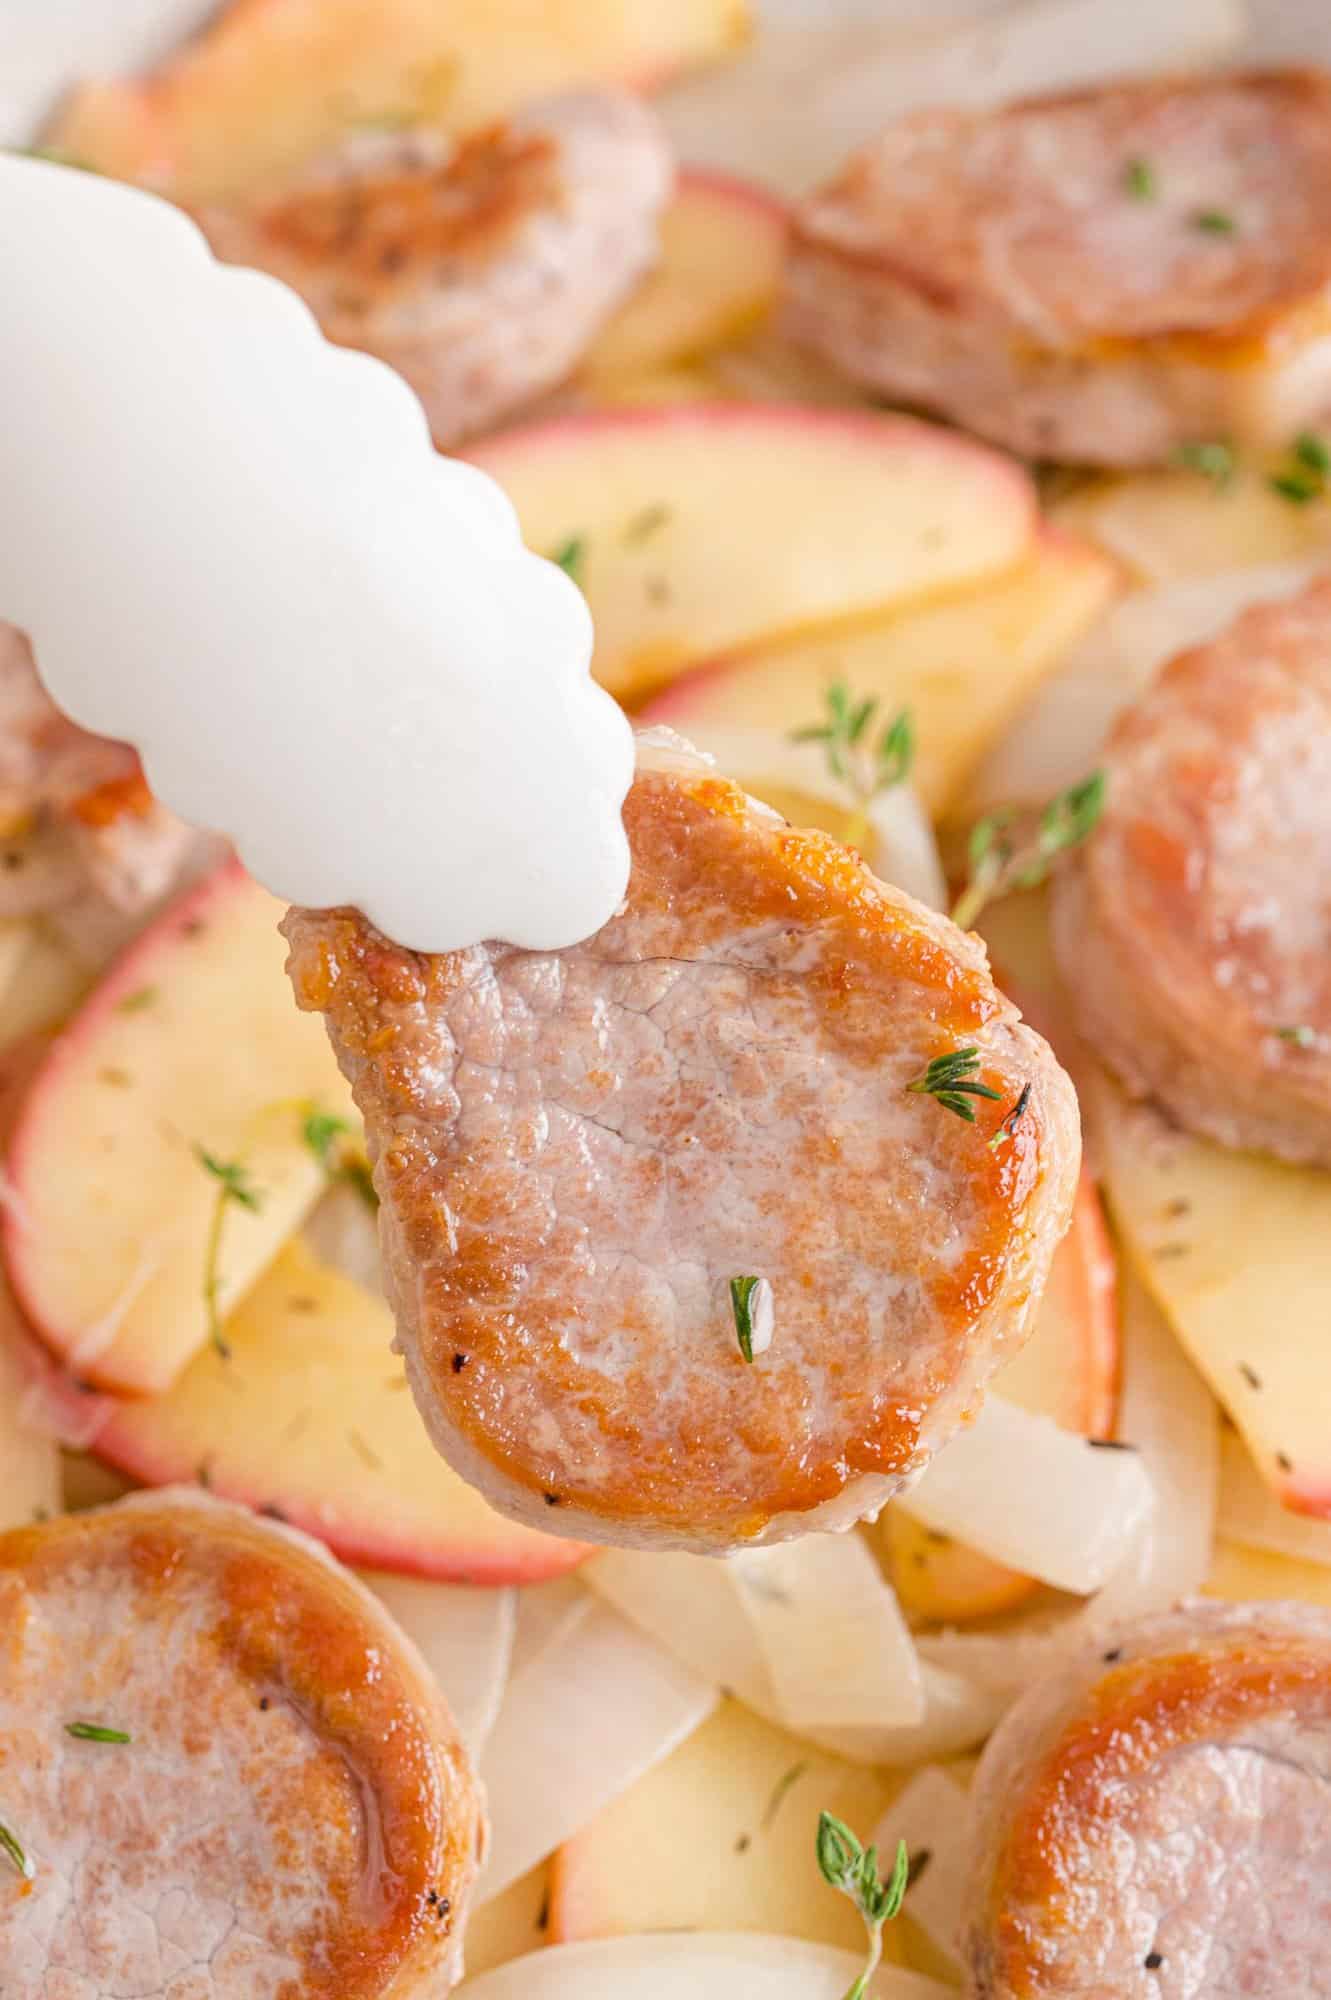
(29, 1456)
(830, 1633)
(590, 1711)
(664, 1965)
(1167, 1412)
(1043, 1500)
(1250, 1513)
(692, 1606)
(464, 1635)
(932, 1816)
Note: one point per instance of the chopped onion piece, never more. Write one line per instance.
(1166, 1410)
(342, 1230)
(666, 1965)
(692, 1605)
(581, 1719)
(932, 1817)
(1250, 1513)
(1059, 735)
(546, 1611)
(1043, 1500)
(831, 1634)
(465, 1636)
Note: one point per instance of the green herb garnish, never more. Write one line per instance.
(869, 764)
(1214, 222)
(11, 1845)
(328, 1138)
(1305, 479)
(1139, 180)
(748, 1298)
(93, 1732)
(1302, 1036)
(853, 1870)
(1007, 1125)
(569, 557)
(952, 1079)
(233, 1186)
(1008, 852)
(1213, 458)
(134, 1003)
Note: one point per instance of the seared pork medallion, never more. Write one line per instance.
(224, 1772)
(479, 272)
(77, 821)
(1194, 927)
(1154, 1823)
(1103, 276)
(764, 1068)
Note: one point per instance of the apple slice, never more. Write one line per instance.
(41, 981)
(723, 244)
(719, 1835)
(311, 1418)
(723, 1966)
(191, 1043)
(962, 666)
(1170, 526)
(1068, 1370)
(1236, 1250)
(1247, 1576)
(30, 1484)
(699, 530)
(270, 82)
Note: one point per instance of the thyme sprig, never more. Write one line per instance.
(954, 1079)
(11, 1845)
(233, 1185)
(868, 762)
(852, 1869)
(96, 1732)
(751, 1303)
(331, 1142)
(1008, 852)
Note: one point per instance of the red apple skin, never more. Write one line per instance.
(509, 1562)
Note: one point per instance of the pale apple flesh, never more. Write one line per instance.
(722, 247)
(271, 82)
(309, 1416)
(188, 1053)
(712, 528)
(719, 1836)
(962, 665)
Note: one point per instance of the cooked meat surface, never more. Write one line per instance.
(479, 272)
(1102, 276)
(1194, 927)
(77, 820)
(577, 1150)
(1154, 1823)
(294, 1817)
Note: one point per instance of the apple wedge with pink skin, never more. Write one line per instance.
(723, 244)
(268, 83)
(718, 527)
(962, 665)
(310, 1417)
(189, 1046)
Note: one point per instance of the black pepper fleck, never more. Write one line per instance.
(1284, 1461)
(552, 1499)
(1250, 1375)
(459, 1362)
(1114, 1653)
(743, 1844)
(1153, 1960)
(264, 1703)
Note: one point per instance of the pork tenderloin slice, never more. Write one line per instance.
(1099, 276)
(1194, 927)
(1154, 1822)
(577, 1150)
(294, 1816)
(480, 272)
